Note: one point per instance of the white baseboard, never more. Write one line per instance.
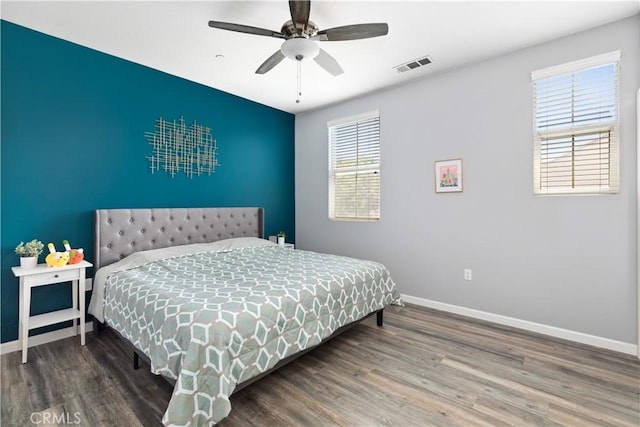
(619, 346)
(60, 334)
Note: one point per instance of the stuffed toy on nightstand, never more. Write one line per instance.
(75, 255)
(55, 258)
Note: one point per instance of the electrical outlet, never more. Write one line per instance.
(467, 274)
(88, 284)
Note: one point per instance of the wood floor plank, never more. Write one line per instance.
(422, 368)
(15, 398)
(510, 415)
(520, 383)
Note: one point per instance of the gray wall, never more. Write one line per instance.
(562, 261)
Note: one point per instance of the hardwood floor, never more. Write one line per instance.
(422, 368)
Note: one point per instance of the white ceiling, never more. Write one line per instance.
(174, 36)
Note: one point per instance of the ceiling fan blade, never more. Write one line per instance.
(300, 11)
(354, 32)
(271, 62)
(245, 29)
(329, 63)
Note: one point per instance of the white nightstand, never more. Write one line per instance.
(41, 275)
(289, 246)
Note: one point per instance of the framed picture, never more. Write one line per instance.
(448, 176)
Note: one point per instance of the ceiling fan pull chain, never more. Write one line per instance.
(299, 81)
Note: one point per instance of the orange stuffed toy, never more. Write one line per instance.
(75, 255)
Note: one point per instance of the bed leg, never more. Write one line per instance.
(379, 317)
(136, 361)
(97, 326)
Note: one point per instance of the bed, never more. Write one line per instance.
(212, 306)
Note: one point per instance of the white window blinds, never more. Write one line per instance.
(354, 167)
(576, 126)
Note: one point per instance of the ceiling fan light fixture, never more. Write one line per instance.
(299, 48)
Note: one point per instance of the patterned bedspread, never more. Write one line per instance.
(213, 319)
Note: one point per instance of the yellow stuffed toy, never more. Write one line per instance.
(56, 259)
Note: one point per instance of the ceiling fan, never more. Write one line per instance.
(301, 35)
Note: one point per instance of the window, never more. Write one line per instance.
(354, 167)
(576, 126)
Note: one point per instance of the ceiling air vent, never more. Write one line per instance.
(412, 65)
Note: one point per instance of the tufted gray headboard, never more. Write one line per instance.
(121, 232)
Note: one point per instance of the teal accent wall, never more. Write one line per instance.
(72, 141)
